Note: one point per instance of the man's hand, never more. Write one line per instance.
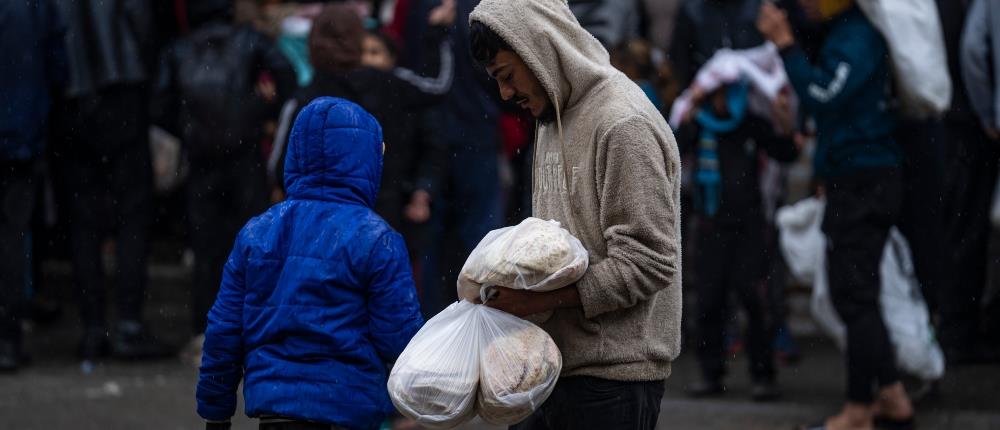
(443, 15)
(773, 25)
(522, 303)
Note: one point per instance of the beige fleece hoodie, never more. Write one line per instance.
(620, 161)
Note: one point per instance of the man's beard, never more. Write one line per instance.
(547, 116)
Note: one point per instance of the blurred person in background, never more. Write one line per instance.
(972, 38)
(662, 15)
(339, 47)
(101, 147)
(215, 88)
(634, 59)
(32, 69)
(293, 40)
(705, 26)
(470, 203)
(728, 141)
(847, 89)
(612, 22)
(419, 157)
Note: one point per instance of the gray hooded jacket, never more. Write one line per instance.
(608, 170)
(980, 47)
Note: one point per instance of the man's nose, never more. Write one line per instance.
(506, 91)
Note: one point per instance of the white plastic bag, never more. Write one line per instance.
(518, 371)
(902, 305)
(903, 310)
(912, 30)
(802, 242)
(471, 355)
(434, 381)
(534, 255)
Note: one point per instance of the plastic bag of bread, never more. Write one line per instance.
(434, 381)
(517, 372)
(472, 358)
(534, 255)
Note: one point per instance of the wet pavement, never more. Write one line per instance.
(54, 393)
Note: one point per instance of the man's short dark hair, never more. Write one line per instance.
(485, 43)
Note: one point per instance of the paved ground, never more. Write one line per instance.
(54, 393)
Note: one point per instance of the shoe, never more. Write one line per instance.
(705, 388)
(886, 423)
(10, 357)
(132, 341)
(94, 344)
(764, 391)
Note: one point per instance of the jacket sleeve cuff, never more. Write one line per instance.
(213, 414)
(596, 289)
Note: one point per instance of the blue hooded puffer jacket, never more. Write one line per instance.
(317, 295)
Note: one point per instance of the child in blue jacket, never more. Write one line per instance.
(317, 295)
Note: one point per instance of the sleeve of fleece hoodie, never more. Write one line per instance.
(638, 213)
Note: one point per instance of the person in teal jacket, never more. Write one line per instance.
(847, 89)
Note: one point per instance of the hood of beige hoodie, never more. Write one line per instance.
(566, 59)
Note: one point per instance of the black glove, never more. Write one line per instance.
(209, 425)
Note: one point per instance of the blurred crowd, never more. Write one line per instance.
(130, 127)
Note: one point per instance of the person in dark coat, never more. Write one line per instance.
(33, 65)
(317, 296)
(396, 97)
(847, 89)
(729, 143)
(209, 92)
(102, 155)
(972, 149)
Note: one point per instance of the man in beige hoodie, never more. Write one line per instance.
(606, 166)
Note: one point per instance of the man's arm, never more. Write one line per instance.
(838, 75)
(433, 78)
(639, 213)
(522, 303)
(639, 216)
(222, 356)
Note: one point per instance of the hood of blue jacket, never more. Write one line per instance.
(334, 154)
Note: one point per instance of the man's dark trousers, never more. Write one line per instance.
(588, 403)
